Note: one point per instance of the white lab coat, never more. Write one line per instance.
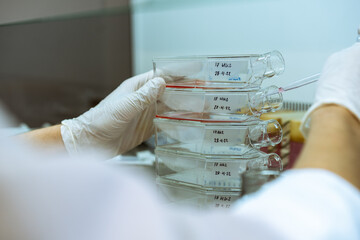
(54, 197)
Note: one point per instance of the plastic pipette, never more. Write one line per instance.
(297, 84)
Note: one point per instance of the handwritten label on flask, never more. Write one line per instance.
(223, 201)
(228, 70)
(227, 103)
(220, 140)
(225, 169)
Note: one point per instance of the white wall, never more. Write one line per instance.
(305, 32)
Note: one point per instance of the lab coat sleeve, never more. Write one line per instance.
(305, 204)
(75, 200)
(64, 199)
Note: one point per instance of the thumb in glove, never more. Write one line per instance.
(118, 123)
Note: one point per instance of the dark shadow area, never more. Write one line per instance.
(55, 70)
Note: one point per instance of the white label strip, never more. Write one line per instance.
(228, 70)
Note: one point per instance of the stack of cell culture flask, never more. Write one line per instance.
(208, 128)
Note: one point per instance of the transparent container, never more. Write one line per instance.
(180, 195)
(218, 103)
(258, 173)
(246, 70)
(209, 172)
(216, 137)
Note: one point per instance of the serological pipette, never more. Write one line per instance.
(297, 84)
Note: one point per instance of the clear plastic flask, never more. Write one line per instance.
(258, 173)
(181, 195)
(246, 70)
(216, 137)
(237, 104)
(210, 172)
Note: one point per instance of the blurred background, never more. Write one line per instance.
(58, 58)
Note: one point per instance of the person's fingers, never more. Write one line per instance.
(134, 103)
(136, 82)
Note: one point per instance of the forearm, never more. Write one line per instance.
(49, 138)
(333, 143)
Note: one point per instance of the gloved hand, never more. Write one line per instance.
(121, 121)
(339, 84)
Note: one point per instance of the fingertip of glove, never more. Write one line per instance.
(158, 82)
(152, 90)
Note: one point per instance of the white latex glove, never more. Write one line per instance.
(339, 84)
(121, 121)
